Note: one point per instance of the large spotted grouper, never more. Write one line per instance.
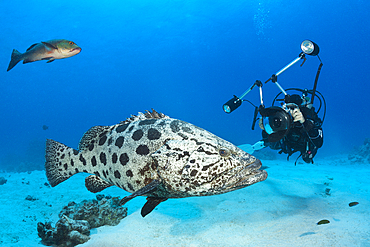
(155, 156)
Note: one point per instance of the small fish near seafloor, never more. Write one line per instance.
(155, 156)
(49, 50)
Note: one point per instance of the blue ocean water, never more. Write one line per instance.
(182, 58)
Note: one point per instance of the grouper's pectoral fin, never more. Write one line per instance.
(152, 185)
(151, 204)
(95, 184)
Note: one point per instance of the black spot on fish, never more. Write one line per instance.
(175, 126)
(93, 161)
(183, 136)
(144, 170)
(104, 174)
(187, 130)
(62, 157)
(110, 141)
(130, 129)
(137, 135)
(91, 147)
(72, 163)
(154, 166)
(117, 174)
(142, 150)
(103, 158)
(201, 149)
(103, 133)
(196, 141)
(75, 152)
(97, 173)
(84, 171)
(147, 181)
(82, 159)
(114, 158)
(153, 134)
(76, 170)
(65, 166)
(147, 122)
(102, 140)
(130, 186)
(162, 123)
(138, 182)
(193, 173)
(192, 161)
(123, 159)
(351, 204)
(121, 128)
(119, 141)
(129, 173)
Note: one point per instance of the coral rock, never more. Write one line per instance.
(76, 220)
(361, 154)
(2, 180)
(97, 213)
(67, 232)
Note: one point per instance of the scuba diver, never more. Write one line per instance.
(301, 133)
(294, 126)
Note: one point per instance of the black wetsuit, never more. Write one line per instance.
(306, 138)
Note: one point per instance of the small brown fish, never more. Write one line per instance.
(322, 222)
(49, 50)
(351, 204)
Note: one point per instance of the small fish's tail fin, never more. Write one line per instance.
(58, 162)
(16, 58)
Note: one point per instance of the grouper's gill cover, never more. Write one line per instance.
(155, 156)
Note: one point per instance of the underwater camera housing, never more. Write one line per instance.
(276, 120)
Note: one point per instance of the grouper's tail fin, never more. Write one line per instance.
(58, 162)
(16, 58)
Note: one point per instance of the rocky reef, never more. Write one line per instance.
(362, 153)
(76, 220)
(2, 180)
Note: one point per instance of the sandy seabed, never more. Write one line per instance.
(281, 211)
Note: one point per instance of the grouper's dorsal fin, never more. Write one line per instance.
(92, 135)
(143, 116)
(50, 46)
(29, 48)
(95, 184)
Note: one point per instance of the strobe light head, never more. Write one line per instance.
(232, 104)
(310, 48)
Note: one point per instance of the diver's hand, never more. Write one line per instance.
(297, 115)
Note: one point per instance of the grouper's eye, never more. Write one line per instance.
(71, 43)
(223, 152)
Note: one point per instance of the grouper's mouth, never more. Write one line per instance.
(78, 50)
(246, 176)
